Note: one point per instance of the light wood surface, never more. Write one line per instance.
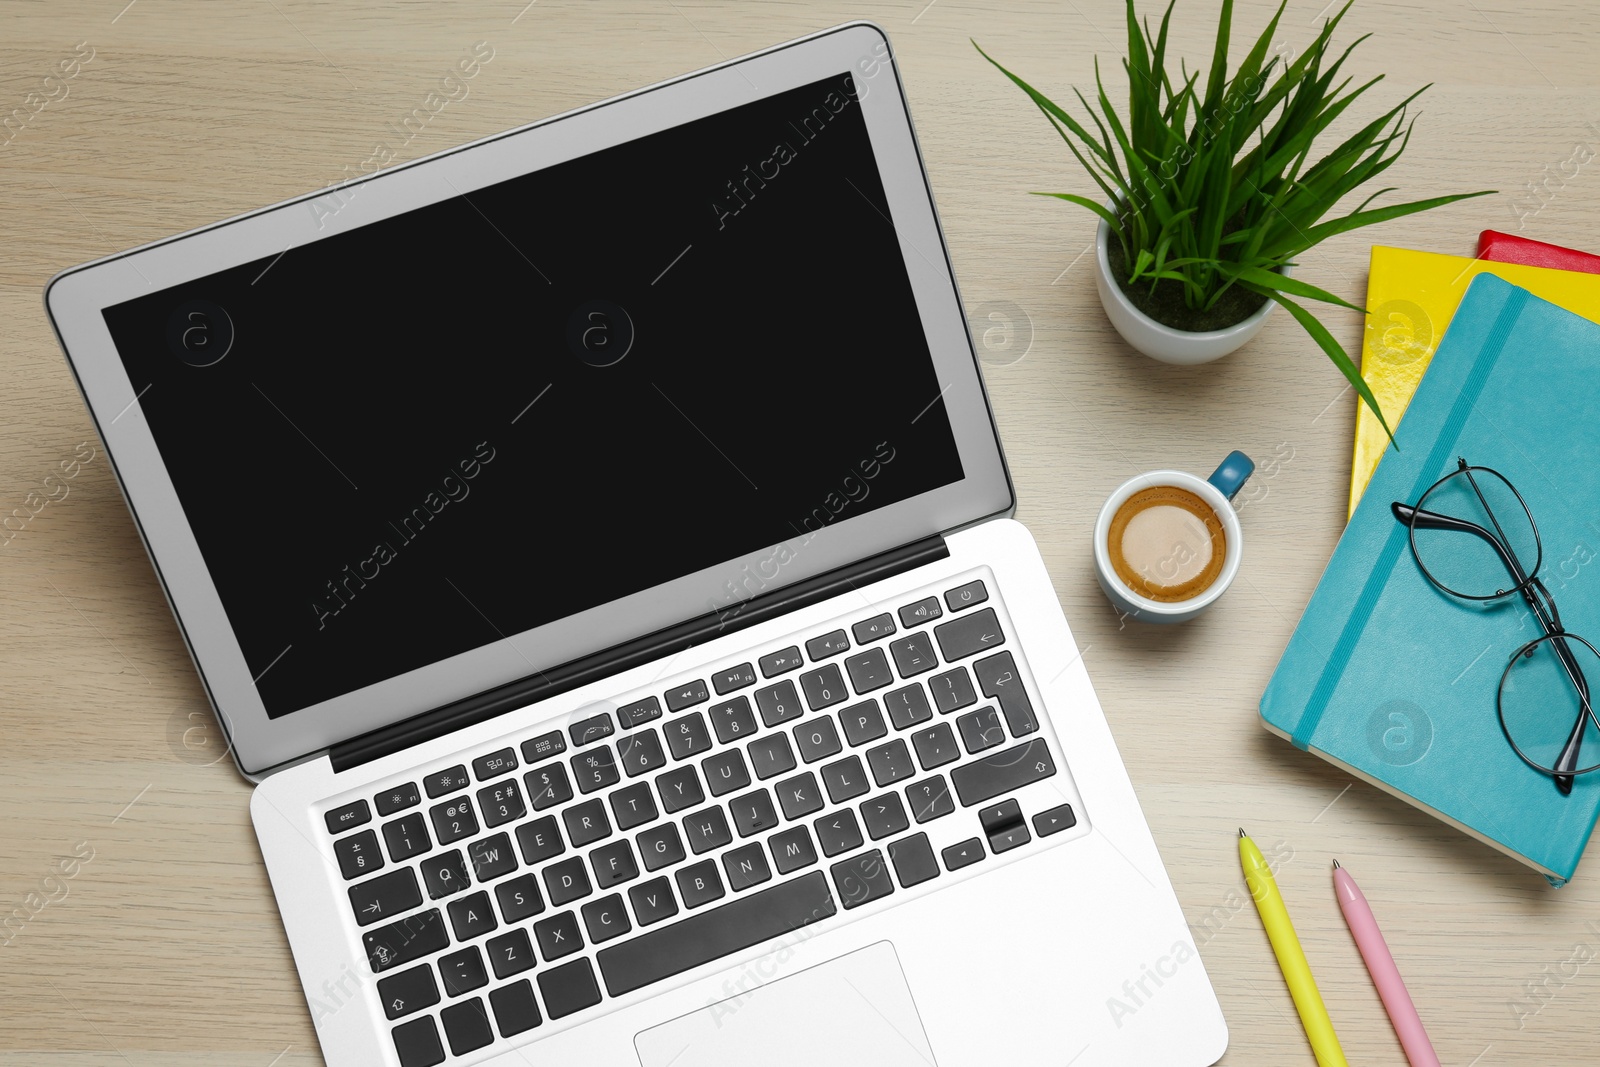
(166, 947)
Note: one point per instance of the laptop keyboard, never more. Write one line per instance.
(534, 882)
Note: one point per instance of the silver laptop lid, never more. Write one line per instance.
(425, 434)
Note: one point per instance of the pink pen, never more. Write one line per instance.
(1385, 975)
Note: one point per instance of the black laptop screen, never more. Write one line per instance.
(421, 436)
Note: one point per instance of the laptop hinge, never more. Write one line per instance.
(525, 691)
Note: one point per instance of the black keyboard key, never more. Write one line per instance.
(606, 918)
(587, 822)
(491, 858)
(936, 746)
(706, 829)
(453, 820)
(913, 654)
(838, 833)
(778, 703)
(966, 596)
(799, 795)
(725, 772)
(569, 988)
(653, 901)
(1004, 771)
(466, 1026)
(1001, 816)
(1009, 838)
(907, 706)
(417, 1043)
(543, 747)
(891, 763)
(660, 846)
(913, 860)
(380, 898)
(884, 815)
(862, 879)
(558, 935)
(399, 798)
(862, 722)
(844, 779)
(817, 739)
(588, 731)
(732, 720)
(746, 866)
(519, 899)
(515, 1010)
(445, 874)
(409, 991)
(869, 670)
(753, 812)
(407, 837)
(929, 799)
(501, 802)
(1054, 820)
(494, 764)
(770, 755)
(962, 855)
(710, 935)
(358, 854)
(472, 917)
(595, 768)
(566, 881)
(639, 712)
(967, 635)
(687, 736)
(539, 840)
(827, 645)
(920, 612)
(792, 849)
(870, 630)
(347, 817)
(448, 781)
(700, 884)
(687, 695)
(998, 678)
(679, 788)
(410, 939)
(733, 678)
(824, 686)
(548, 786)
(641, 752)
(781, 662)
(981, 729)
(613, 864)
(633, 806)
(952, 690)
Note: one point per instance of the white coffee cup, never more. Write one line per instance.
(1218, 492)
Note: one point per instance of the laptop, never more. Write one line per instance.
(596, 545)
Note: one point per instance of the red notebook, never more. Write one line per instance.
(1509, 248)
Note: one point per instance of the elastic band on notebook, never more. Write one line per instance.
(1488, 356)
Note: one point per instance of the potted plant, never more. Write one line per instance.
(1211, 193)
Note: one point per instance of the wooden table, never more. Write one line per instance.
(166, 948)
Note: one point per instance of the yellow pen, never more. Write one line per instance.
(1291, 957)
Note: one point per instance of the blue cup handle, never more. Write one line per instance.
(1232, 473)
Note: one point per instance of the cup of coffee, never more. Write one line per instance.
(1167, 544)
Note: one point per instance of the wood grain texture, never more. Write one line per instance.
(166, 948)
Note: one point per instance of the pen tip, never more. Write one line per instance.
(1336, 865)
(1241, 832)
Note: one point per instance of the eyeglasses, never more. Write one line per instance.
(1470, 532)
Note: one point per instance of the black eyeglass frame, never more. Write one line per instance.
(1534, 593)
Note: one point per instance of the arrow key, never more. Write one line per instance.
(408, 991)
(963, 855)
(382, 898)
(1055, 820)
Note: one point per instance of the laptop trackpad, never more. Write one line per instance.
(855, 1011)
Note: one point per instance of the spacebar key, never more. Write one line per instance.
(712, 934)
(1003, 771)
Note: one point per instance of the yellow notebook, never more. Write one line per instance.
(1411, 297)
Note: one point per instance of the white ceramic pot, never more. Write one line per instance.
(1157, 340)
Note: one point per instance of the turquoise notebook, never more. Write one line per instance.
(1394, 680)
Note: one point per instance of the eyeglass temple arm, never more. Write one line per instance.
(1418, 519)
